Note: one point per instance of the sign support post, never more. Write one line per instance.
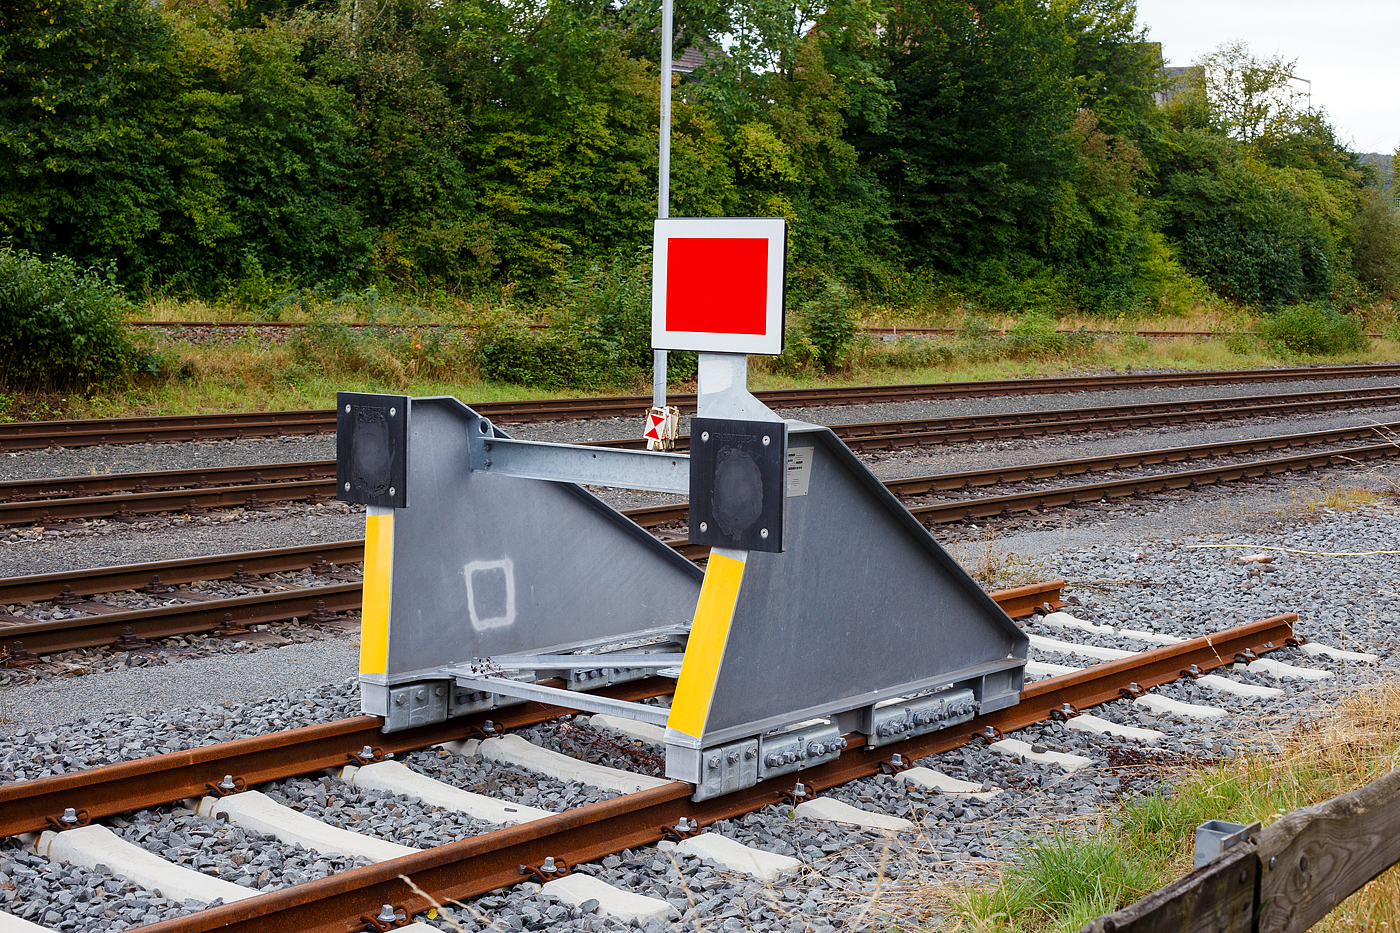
(663, 186)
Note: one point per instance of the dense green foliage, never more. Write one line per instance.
(1313, 328)
(1008, 151)
(1375, 244)
(60, 326)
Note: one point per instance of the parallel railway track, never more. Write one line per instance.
(130, 494)
(484, 863)
(22, 639)
(957, 429)
(292, 326)
(185, 491)
(169, 428)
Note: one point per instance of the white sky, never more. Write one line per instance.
(1349, 49)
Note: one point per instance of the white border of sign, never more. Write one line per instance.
(774, 229)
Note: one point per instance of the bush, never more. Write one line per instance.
(1375, 245)
(60, 326)
(829, 322)
(609, 308)
(1251, 232)
(1037, 333)
(548, 360)
(1311, 328)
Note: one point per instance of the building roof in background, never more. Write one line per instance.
(688, 61)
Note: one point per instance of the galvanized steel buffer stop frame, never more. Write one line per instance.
(825, 608)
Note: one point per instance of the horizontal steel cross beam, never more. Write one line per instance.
(582, 662)
(588, 466)
(656, 715)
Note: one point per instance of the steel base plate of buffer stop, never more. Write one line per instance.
(824, 609)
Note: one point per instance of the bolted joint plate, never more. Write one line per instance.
(737, 483)
(417, 704)
(371, 449)
(904, 717)
(727, 768)
(803, 747)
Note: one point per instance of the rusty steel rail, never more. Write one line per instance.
(982, 507)
(64, 487)
(873, 331)
(186, 618)
(37, 435)
(31, 435)
(146, 782)
(559, 409)
(1084, 493)
(313, 480)
(478, 865)
(998, 476)
(924, 432)
(46, 586)
(1150, 334)
(117, 788)
(20, 638)
(194, 500)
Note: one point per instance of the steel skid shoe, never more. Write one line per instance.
(477, 575)
(826, 609)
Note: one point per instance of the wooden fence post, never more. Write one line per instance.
(1316, 857)
(1284, 881)
(1215, 898)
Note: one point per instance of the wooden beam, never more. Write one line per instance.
(1316, 857)
(1215, 898)
(1286, 880)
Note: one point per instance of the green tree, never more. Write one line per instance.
(79, 170)
(1116, 70)
(1250, 96)
(976, 146)
(1251, 231)
(1374, 238)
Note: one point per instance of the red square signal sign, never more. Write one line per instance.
(717, 284)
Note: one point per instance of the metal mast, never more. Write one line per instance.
(663, 186)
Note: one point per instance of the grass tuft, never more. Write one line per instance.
(1060, 883)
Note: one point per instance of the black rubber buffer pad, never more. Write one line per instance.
(371, 449)
(737, 483)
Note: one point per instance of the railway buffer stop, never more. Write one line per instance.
(492, 575)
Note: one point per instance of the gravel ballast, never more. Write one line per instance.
(850, 876)
(1138, 565)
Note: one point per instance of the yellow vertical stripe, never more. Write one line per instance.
(690, 706)
(374, 604)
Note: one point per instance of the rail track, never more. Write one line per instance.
(483, 863)
(22, 640)
(103, 624)
(53, 500)
(32, 435)
(956, 429)
(293, 326)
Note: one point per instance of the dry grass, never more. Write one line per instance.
(253, 373)
(1338, 498)
(989, 564)
(1205, 313)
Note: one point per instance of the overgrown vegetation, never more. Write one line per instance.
(1314, 329)
(1064, 881)
(60, 326)
(494, 164)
